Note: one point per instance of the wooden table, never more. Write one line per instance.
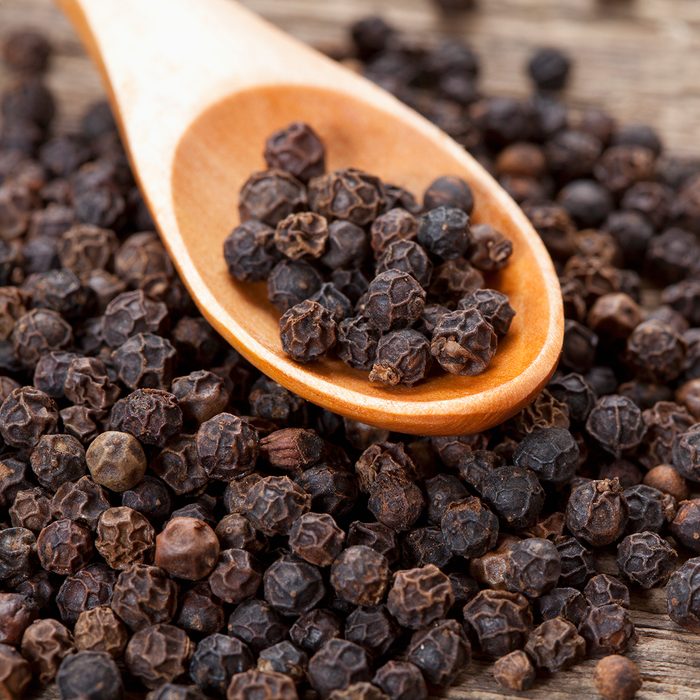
(640, 59)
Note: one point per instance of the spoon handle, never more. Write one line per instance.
(165, 61)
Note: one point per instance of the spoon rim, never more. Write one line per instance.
(324, 391)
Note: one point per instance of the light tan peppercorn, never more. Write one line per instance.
(617, 678)
(514, 671)
(99, 629)
(116, 460)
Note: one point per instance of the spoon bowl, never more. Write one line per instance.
(193, 152)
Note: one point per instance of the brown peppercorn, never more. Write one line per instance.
(349, 194)
(316, 538)
(667, 480)
(145, 360)
(336, 665)
(469, 528)
(608, 629)
(302, 235)
(646, 559)
(307, 331)
(90, 587)
(124, 537)
(372, 628)
(152, 416)
(402, 357)
(617, 678)
(603, 589)
(615, 422)
(15, 674)
(201, 395)
(99, 629)
(533, 567)
(82, 501)
(502, 621)
(116, 460)
(401, 680)
(274, 503)
(144, 595)
(187, 548)
(296, 149)
(293, 586)
(87, 383)
(441, 651)
(31, 509)
(64, 547)
(45, 643)
(394, 300)
(25, 415)
(567, 603)
(158, 654)
(227, 446)
(270, 196)
(178, 466)
(131, 313)
(420, 596)
(38, 332)
(262, 685)
(284, 658)
(360, 575)
(235, 532)
(688, 395)
(236, 576)
(16, 614)
(395, 501)
(514, 671)
(555, 645)
(597, 512)
(291, 449)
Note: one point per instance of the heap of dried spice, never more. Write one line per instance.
(359, 267)
(172, 521)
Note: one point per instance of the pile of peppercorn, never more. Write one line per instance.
(171, 520)
(301, 226)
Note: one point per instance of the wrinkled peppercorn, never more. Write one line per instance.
(607, 629)
(646, 559)
(336, 665)
(533, 567)
(144, 595)
(92, 675)
(216, 660)
(158, 654)
(99, 629)
(597, 512)
(274, 503)
(441, 651)
(500, 619)
(514, 671)
(307, 331)
(236, 576)
(420, 596)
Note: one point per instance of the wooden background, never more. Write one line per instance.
(640, 59)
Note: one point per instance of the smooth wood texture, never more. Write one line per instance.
(504, 31)
(197, 89)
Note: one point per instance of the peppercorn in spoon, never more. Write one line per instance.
(197, 86)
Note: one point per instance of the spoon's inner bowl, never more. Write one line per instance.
(224, 146)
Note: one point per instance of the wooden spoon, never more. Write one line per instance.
(197, 86)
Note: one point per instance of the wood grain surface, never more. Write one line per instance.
(640, 59)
